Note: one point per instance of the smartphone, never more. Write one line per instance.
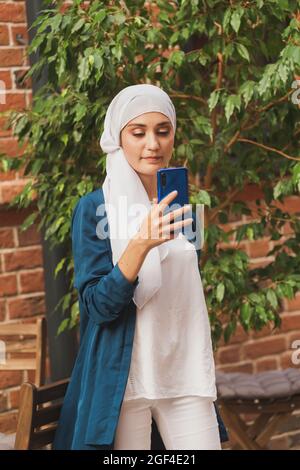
(169, 179)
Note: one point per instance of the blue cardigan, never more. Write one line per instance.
(93, 400)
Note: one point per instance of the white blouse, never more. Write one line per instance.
(172, 350)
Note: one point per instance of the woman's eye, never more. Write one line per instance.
(160, 133)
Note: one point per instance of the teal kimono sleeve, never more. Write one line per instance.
(102, 288)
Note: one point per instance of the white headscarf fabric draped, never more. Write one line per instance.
(122, 180)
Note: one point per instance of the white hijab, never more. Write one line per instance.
(122, 180)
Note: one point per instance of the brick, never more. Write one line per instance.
(23, 259)
(8, 284)
(3, 401)
(8, 176)
(14, 398)
(12, 13)
(29, 97)
(32, 281)
(8, 422)
(31, 236)
(11, 147)
(11, 190)
(265, 331)
(19, 30)
(250, 193)
(16, 101)
(264, 347)
(293, 335)
(4, 36)
(3, 120)
(290, 322)
(2, 310)
(10, 217)
(6, 238)
(262, 263)
(266, 364)
(19, 81)
(10, 378)
(252, 206)
(11, 57)
(259, 248)
(21, 172)
(241, 367)
(239, 336)
(26, 307)
(291, 204)
(287, 229)
(292, 304)
(286, 360)
(229, 354)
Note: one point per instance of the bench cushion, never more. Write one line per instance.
(270, 384)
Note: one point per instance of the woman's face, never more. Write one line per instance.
(148, 135)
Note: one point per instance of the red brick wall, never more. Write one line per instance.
(21, 270)
(267, 349)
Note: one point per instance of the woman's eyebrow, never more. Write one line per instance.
(144, 125)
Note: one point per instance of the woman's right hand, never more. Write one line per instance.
(157, 228)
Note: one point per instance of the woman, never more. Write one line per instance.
(145, 346)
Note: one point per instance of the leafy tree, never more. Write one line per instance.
(230, 68)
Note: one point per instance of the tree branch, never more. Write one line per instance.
(270, 149)
(193, 97)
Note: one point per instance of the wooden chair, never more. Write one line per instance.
(270, 396)
(24, 339)
(23, 347)
(38, 414)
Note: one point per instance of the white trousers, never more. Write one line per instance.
(187, 422)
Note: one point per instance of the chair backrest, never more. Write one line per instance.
(38, 414)
(23, 347)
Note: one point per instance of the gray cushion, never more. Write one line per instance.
(270, 384)
(7, 441)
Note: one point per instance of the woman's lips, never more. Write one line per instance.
(152, 159)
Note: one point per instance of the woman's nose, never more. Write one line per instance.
(152, 141)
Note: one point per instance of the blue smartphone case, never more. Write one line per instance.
(169, 179)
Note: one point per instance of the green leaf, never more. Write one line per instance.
(78, 25)
(220, 292)
(272, 298)
(213, 99)
(245, 314)
(235, 19)
(99, 17)
(28, 221)
(243, 51)
(247, 91)
(226, 19)
(255, 298)
(63, 326)
(59, 266)
(250, 233)
(232, 102)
